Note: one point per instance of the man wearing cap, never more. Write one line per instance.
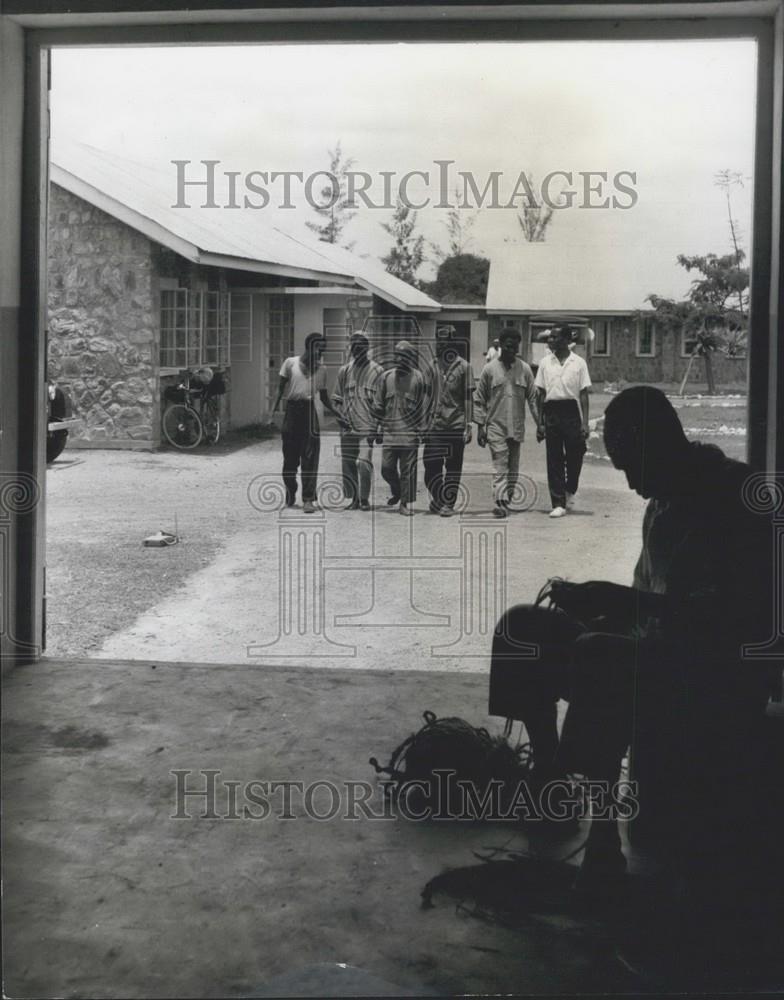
(505, 386)
(451, 428)
(354, 399)
(301, 377)
(401, 411)
(562, 384)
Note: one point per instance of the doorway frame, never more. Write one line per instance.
(33, 27)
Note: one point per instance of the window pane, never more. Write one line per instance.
(240, 327)
(281, 338)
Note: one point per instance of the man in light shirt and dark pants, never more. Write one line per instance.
(301, 377)
(562, 384)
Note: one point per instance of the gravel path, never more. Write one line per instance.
(397, 593)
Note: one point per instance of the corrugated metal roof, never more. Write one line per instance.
(547, 277)
(143, 196)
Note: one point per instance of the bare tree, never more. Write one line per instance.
(535, 217)
(334, 210)
(458, 225)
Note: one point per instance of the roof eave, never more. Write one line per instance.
(141, 223)
(165, 237)
(395, 301)
(266, 267)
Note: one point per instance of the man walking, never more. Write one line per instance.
(301, 377)
(505, 386)
(401, 413)
(562, 384)
(451, 430)
(354, 399)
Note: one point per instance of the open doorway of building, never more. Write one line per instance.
(176, 249)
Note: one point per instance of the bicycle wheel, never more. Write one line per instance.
(210, 418)
(181, 426)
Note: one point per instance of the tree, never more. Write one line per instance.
(714, 314)
(408, 251)
(726, 180)
(334, 207)
(461, 279)
(535, 217)
(458, 226)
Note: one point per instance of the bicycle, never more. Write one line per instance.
(184, 426)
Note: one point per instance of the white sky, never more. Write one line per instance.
(673, 112)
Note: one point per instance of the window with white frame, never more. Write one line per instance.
(600, 348)
(688, 344)
(194, 328)
(646, 337)
(241, 326)
(280, 337)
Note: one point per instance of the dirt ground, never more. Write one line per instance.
(108, 894)
(417, 593)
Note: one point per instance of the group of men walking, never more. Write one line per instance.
(411, 403)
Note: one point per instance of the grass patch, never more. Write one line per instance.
(719, 420)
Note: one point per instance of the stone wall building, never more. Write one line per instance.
(103, 322)
(140, 294)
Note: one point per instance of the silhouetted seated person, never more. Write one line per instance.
(658, 664)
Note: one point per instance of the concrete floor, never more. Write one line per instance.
(106, 895)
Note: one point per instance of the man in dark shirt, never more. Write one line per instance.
(658, 665)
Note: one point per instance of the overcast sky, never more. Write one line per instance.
(673, 113)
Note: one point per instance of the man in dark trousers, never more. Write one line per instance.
(354, 398)
(451, 427)
(658, 664)
(401, 411)
(562, 384)
(301, 378)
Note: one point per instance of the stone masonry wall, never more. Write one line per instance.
(103, 310)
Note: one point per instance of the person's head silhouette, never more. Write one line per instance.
(645, 440)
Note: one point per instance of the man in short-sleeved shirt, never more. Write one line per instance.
(562, 384)
(301, 378)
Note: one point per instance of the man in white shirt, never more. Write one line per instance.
(301, 377)
(504, 387)
(354, 398)
(562, 384)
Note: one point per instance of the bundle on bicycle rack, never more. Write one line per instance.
(216, 386)
(175, 394)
